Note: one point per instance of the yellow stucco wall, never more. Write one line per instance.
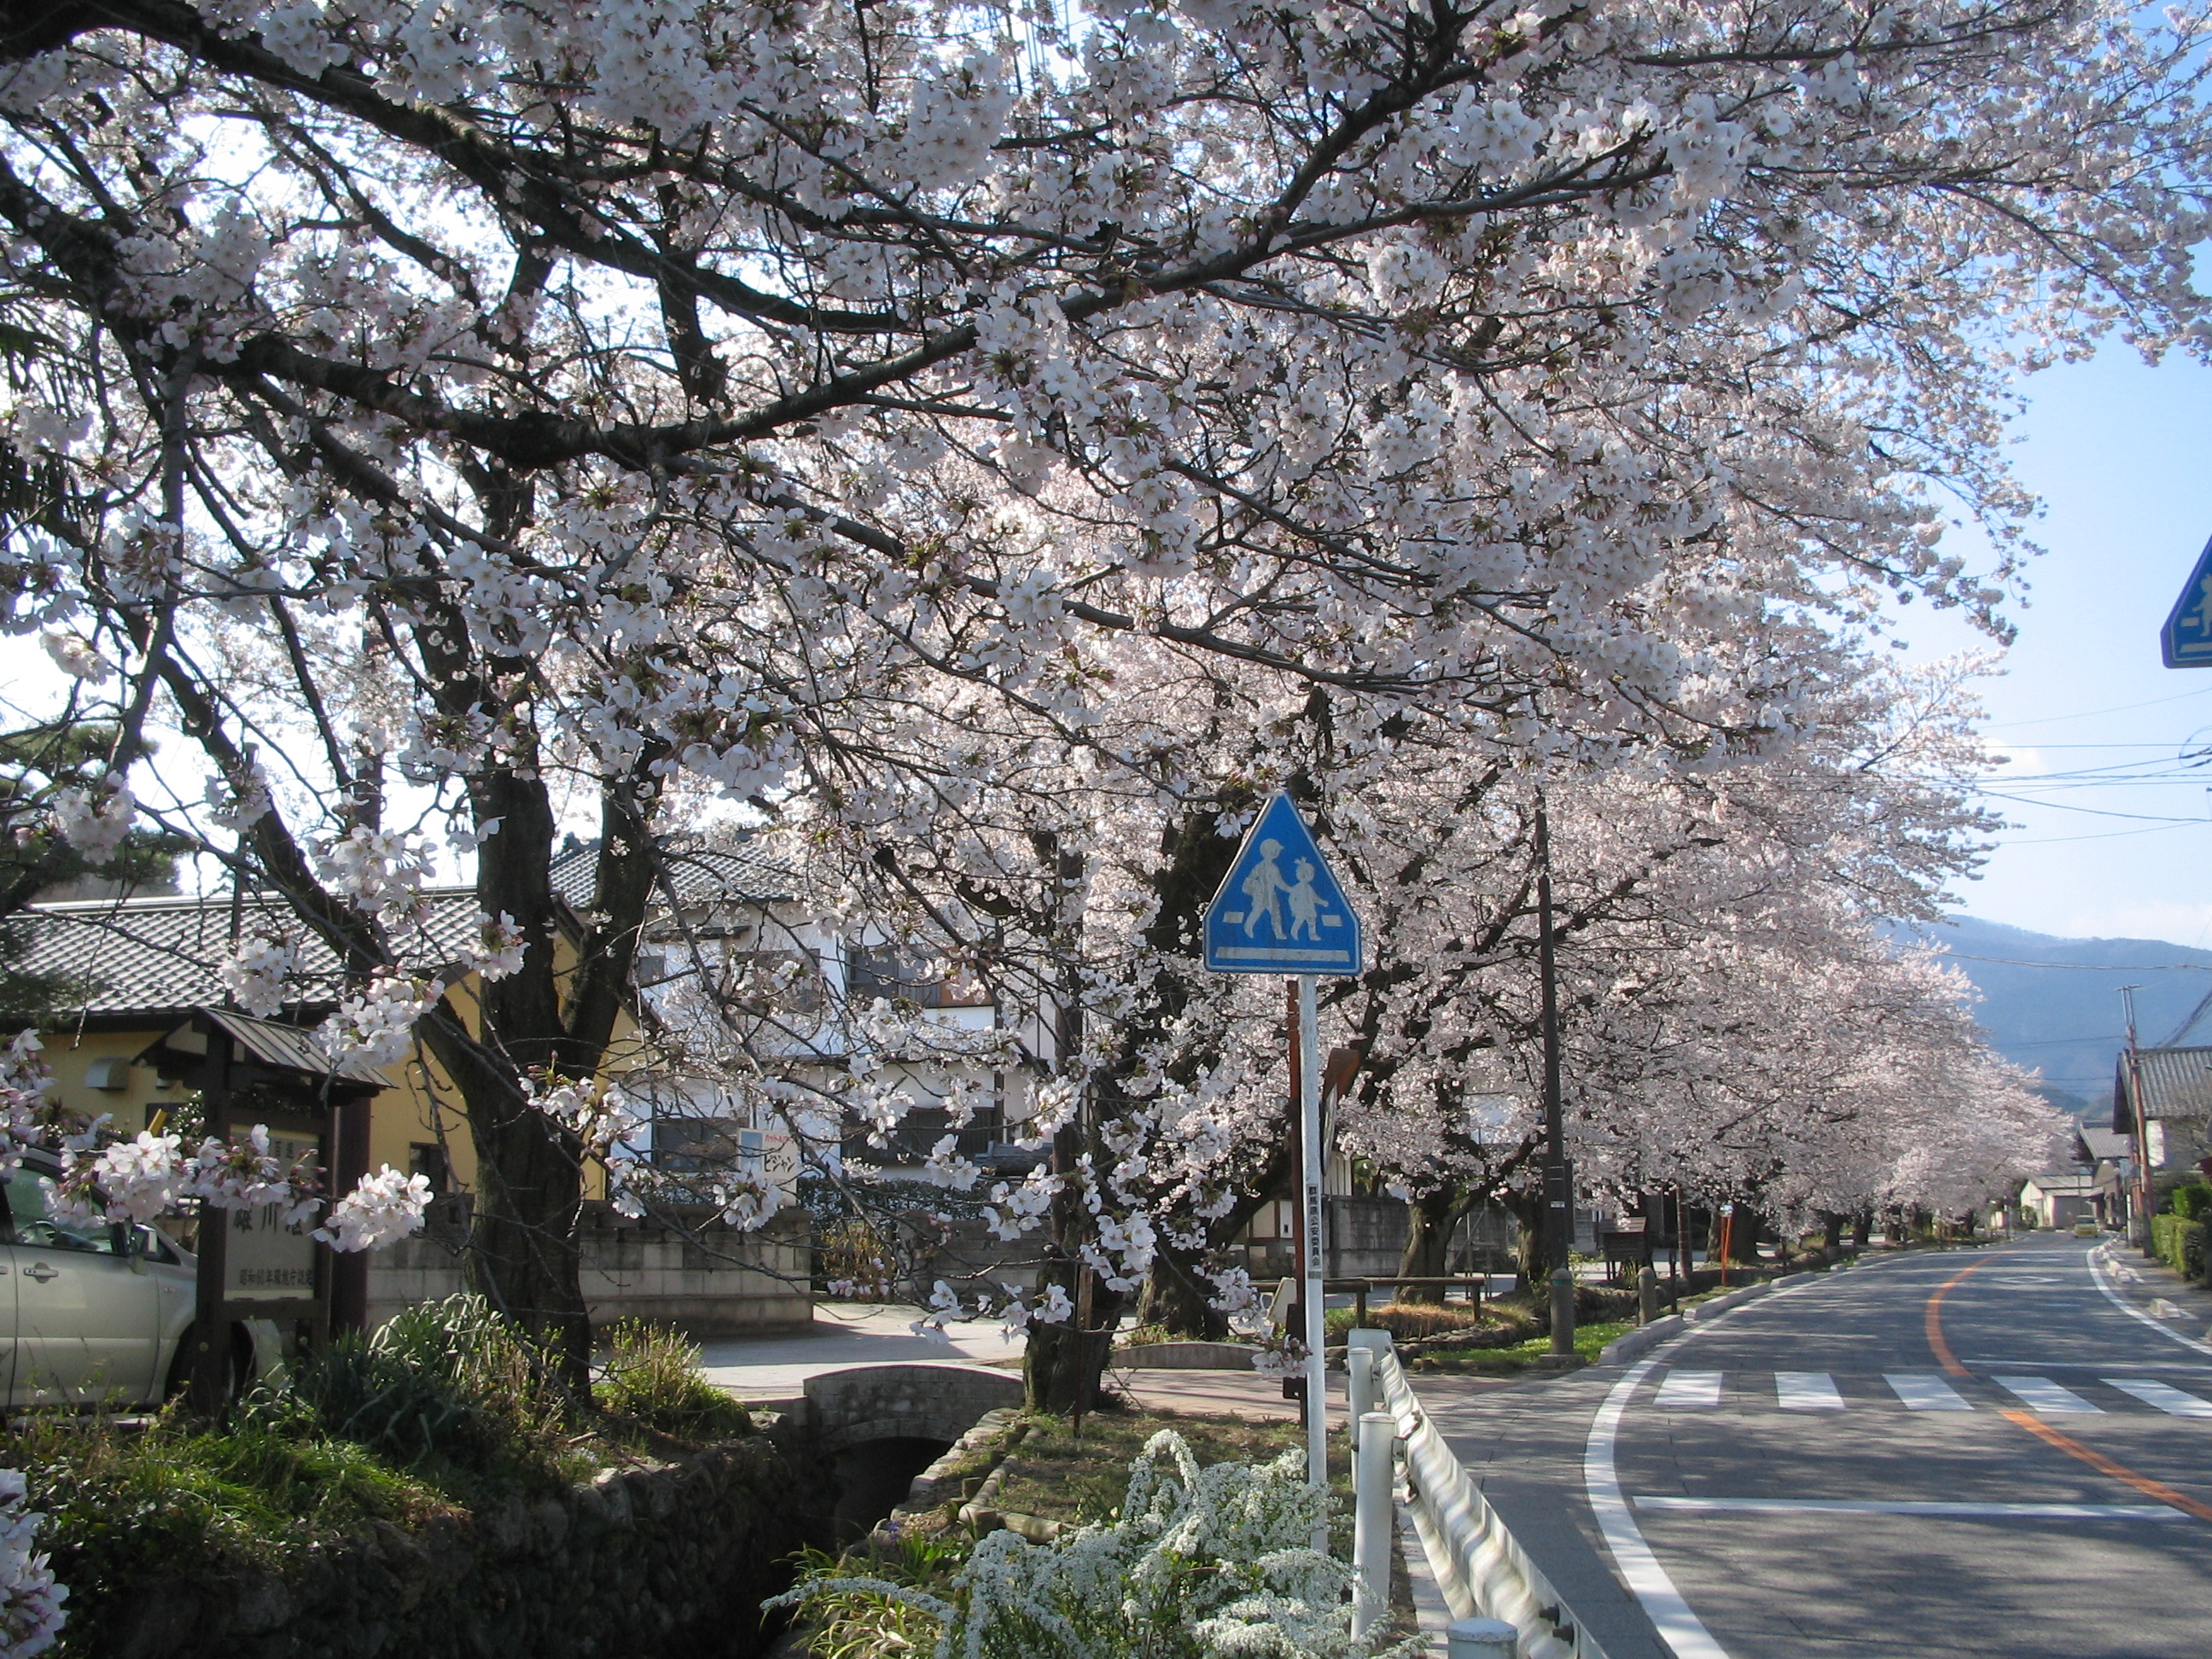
(419, 1108)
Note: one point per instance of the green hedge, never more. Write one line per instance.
(2191, 1200)
(2180, 1243)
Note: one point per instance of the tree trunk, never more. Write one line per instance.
(1177, 1302)
(1174, 1298)
(1862, 1226)
(1831, 1236)
(1430, 1221)
(1062, 1367)
(1534, 1257)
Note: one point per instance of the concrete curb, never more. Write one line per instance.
(1623, 1349)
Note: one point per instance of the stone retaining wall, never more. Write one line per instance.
(658, 1562)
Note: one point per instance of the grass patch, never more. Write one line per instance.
(1590, 1340)
(651, 1379)
(1409, 1321)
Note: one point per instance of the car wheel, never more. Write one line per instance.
(241, 1363)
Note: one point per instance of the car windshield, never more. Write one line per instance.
(32, 1219)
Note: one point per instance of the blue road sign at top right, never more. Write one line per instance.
(2186, 640)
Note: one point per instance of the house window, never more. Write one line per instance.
(902, 973)
(428, 1160)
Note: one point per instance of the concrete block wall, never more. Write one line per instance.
(720, 1283)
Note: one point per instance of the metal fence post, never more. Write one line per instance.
(1373, 1519)
(1481, 1638)
(1359, 1384)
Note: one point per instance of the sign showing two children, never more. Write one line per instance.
(1280, 911)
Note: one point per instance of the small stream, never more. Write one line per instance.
(873, 1476)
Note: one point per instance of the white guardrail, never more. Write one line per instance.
(1482, 1572)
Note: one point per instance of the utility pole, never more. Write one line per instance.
(1558, 1183)
(2145, 1202)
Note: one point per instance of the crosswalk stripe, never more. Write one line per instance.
(2045, 1398)
(1806, 1391)
(1924, 1391)
(1686, 1389)
(2171, 1401)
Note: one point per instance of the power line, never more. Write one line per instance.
(2091, 713)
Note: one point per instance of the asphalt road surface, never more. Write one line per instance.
(1980, 1453)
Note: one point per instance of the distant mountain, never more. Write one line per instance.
(2053, 1005)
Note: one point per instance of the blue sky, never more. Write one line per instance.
(2122, 455)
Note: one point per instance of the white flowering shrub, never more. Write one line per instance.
(31, 1615)
(1199, 1563)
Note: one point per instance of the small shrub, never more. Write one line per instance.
(445, 1382)
(2193, 1200)
(651, 1377)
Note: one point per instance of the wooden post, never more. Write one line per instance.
(208, 1393)
(348, 1270)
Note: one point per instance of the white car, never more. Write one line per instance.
(98, 1315)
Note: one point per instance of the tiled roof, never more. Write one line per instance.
(158, 955)
(2176, 1083)
(2104, 1143)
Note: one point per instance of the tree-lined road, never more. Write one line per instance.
(1953, 1453)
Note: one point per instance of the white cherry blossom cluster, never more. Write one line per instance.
(247, 1174)
(131, 1181)
(257, 972)
(376, 1025)
(76, 656)
(238, 803)
(378, 872)
(382, 1209)
(31, 1599)
(94, 820)
(496, 949)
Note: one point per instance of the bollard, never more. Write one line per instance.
(1373, 1520)
(1647, 1295)
(1481, 1638)
(1563, 1311)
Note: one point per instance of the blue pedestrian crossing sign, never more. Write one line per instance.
(1279, 910)
(2186, 639)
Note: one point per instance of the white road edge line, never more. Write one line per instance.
(2097, 1276)
(1680, 1629)
(1959, 1512)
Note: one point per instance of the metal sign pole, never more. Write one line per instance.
(1310, 1184)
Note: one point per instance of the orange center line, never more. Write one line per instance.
(2104, 1465)
(1933, 1320)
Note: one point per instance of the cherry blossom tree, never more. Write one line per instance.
(897, 420)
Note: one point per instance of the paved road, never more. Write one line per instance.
(1957, 1453)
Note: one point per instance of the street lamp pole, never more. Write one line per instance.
(1558, 1185)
